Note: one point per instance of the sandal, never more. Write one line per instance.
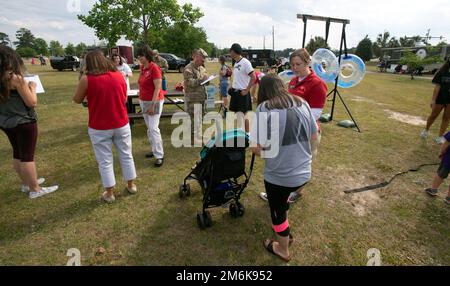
(291, 239)
(268, 244)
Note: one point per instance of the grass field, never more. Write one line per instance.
(155, 227)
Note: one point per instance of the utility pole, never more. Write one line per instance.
(273, 38)
(264, 43)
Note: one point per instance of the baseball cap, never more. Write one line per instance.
(202, 52)
(236, 48)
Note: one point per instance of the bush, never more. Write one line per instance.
(26, 52)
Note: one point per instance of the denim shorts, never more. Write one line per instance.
(224, 89)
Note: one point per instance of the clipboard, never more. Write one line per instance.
(35, 79)
(209, 79)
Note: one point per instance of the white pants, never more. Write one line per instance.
(102, 141)
(153, 132)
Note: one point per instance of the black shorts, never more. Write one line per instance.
(443, 172)
(239, 103)
(443, 99)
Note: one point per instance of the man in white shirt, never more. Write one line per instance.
(243, 79)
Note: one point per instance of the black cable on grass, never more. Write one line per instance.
(384, 184)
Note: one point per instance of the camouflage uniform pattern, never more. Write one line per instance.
(163, 64)
(194, 93)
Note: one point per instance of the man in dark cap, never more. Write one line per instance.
(244, 79)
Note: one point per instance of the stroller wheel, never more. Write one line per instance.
(188, 190)
(233, 210)
(207, 219)
(240, 209)
(181, 192)
(185, 191)
(201, 221)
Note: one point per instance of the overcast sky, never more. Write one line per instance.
(247, 21)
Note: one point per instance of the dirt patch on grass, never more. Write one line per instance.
(363, 203)
(367, 100)
(405, 118)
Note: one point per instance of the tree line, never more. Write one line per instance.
(27, 45)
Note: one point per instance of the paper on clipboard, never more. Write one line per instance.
(209, 79)
(35, 79)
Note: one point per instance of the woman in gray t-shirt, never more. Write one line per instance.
(281, 134)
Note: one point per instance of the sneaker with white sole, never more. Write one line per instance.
(294, 197)
(447, 200)
(44, 191)
(108, 199)
(432, 192)
(263, 196)
(424, 134)
(26, 189)
(132, 191)
(440, 140)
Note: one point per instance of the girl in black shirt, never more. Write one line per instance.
(440, 101)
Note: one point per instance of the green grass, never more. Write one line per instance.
(155, 227)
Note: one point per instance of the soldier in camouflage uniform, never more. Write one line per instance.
(194, 93)
(164, 65)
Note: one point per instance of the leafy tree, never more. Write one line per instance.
(181, 39)
(40, 46)
(56, 49)
(315, 44)
(80, 49)
(376, 50)
(410, 41)
(393, 43)
(70, 49)
(4, 39)
(383, 39)
(284, 53)
(26, 52)
(415, 63)
(25, 39)
(364, 49)
(137, 20)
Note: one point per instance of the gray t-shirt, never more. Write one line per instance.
(291, 165)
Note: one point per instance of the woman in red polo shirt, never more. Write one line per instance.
(306, 83)
(151, 98)
(106, 92)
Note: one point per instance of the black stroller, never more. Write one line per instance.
(221, 166)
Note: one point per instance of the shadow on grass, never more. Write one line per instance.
(63, 136)
(434, 224)
(12, 230)
(173, 238)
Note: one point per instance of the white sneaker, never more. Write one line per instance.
(263, 196)
(26, 189)
(108, 199)
(132, 191)
(440, 140)
(424, 134)
(44, 191)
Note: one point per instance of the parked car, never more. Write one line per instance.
(260, 58)
(64, 63)
(175, 63)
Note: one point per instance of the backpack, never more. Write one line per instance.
(229, 72)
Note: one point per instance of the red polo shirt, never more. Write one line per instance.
(146, 85)
(312, 89)
(107, 97)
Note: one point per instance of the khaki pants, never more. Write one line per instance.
(196, 114)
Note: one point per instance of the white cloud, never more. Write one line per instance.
(248, 21)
